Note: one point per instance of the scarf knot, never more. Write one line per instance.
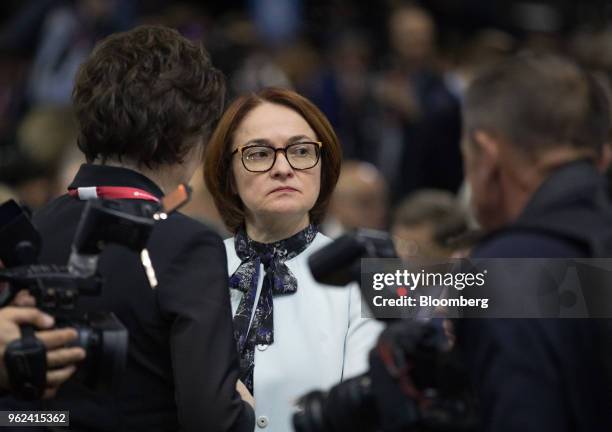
(277, 280)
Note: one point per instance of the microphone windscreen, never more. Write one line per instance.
(333, 264)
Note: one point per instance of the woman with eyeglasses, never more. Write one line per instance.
(271, 166)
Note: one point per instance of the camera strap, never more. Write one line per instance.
(26, 365)
(111, 192)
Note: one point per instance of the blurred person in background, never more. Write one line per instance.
(146, 101)
(277, 22)
(259, 69)
(271, 166)
(593, 50)
(540, 25)
(251, 64)
(342, 88)
(68, 35)
(421, 124)
(44, 136)
(51, 38)
(426, 223)
(535, 129)
(485, 48)
(67, 168)
(6, 193)
(360, 200)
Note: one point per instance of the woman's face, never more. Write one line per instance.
(282, 191)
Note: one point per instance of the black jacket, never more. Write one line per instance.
(544, 374)
(182, 364)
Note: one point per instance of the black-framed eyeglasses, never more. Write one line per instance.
(301, 155)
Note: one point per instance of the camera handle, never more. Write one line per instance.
(26, 364)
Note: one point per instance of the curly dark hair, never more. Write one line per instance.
(148, 95)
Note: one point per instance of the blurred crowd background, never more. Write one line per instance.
(389, 75)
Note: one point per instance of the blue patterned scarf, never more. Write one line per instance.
(278, 280)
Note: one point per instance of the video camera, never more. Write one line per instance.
(57, 289)
(415, 381)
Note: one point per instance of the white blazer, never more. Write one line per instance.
(319, 340)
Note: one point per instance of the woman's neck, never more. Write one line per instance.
(271, 230)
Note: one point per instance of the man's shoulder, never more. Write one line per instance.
(517, 243)
(61, 207)
(57, 222)
(173, 235)
(58, 207)
(181, 222)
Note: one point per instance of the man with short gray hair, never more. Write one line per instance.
(535, 131)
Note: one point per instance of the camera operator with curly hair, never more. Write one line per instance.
(146, 101)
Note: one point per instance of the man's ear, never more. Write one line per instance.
(488, 146)
(487, 151)
(486, 173)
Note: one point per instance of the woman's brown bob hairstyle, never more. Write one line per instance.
(218, 165)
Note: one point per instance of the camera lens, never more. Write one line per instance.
(105, 341)
(349, 405)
